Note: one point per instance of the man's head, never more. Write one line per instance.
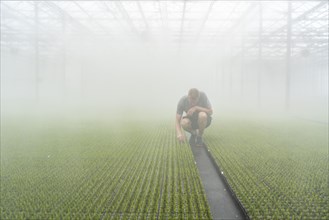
(193, 95)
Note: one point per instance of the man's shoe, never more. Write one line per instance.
(199, 141)
(192, 140)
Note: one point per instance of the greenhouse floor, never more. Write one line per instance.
(86, 168)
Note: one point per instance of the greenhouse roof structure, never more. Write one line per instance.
(249, 27)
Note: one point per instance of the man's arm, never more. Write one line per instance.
(180, 134)
(199, 109)
(206, 110)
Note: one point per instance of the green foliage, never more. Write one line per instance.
(278, 169)
(89, 170)
(97, 170)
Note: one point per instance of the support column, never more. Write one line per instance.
(231, 72)
(36, 51)
(242, 66)
(64, 90)
(82, 75)
(260, 58)
(288, 58)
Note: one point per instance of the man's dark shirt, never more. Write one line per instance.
(184, 104)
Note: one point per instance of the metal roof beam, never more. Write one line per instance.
(242, 18)
(205, 20)
(67, 15)
(126, 16)
(27, 20)
(182, 23)
(143, 16)
(90, 17)
(240, 21)
(284, 27)
(300, 17)
(164, 13)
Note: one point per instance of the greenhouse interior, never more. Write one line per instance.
(157, 109)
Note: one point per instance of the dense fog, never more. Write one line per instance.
(146, 73)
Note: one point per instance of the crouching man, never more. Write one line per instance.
(197, 116)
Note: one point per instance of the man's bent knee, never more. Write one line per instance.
(185, 123)
(203, 116)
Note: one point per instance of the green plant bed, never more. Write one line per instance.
(85, 169)
(277, 168)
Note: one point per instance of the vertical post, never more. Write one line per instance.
(242, 66)
(216, 76)
(36, 50)
(64, 57)
(231, 71)
(84, 71)
(82, 79)
(181, 28)
(288, 58)
(260, 53)
(231, 77)
(223, 71)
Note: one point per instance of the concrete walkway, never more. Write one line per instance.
(222, 203)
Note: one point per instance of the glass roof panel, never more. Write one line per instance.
(208, 22)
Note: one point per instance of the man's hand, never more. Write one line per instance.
(181, 139)
(192, 110)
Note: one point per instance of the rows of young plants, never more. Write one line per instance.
(94, 170)
(277, 168)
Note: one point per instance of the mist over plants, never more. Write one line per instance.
(89, 92)
(144, 66)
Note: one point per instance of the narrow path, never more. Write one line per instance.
(223, 204)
